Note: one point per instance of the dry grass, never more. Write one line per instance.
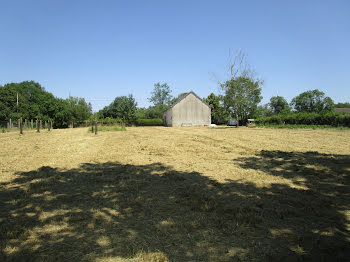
(175, 194)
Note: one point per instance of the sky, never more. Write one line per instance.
(103, 49)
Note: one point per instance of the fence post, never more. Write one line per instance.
(8, 125)
(41, 124)
(20, 127)
(96, 127)
(37, 126)
(48, 126)
(31, 123)
(18, 123)
(25, 123)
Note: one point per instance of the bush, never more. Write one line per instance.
(149, 122)
(328, 118)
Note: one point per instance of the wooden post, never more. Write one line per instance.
(48, 126)
(31, 123)
(10, 123)
(18, 123)
(96, 127)
(37, 126)
(20, 127)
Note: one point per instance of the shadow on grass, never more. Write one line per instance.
(152, 212)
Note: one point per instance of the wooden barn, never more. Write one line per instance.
(190, 110)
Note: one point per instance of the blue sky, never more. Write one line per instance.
(102, 49)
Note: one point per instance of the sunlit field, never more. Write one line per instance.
(175, 194)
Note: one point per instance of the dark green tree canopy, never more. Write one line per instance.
(123, 108)
(312, 101)
(36, 103)
(161, 94)
(279, 105)
(218, 113)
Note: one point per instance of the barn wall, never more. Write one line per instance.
(167, 117)
(191, 111)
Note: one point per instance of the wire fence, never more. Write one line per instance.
(33, 124)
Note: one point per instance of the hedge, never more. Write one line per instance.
(330, 118)
(149, 122)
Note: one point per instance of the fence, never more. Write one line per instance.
(25, 124)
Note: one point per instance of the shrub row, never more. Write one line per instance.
(149, 122)
(331, 118)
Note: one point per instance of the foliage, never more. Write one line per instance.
(36, 103)
(277, 126)
(218, 113)
(161, 94)
(263, 110)
(342, 105)
(149, 122)
(242, 96)
(325, 118)
(279, 105)
(312, 101)
(156, 111)
(123, 107)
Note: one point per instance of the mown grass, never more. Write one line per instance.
(184, 194)
(278, 126)
(114, 128)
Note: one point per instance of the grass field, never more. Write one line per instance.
(175, 194)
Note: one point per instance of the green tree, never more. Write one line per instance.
(161, 94)
(36, 103)
(263, 110)
(312, 101)
(123, 108)
(342, 105)
(80, 110)
(218, 113)
(242, 96)
(279, 105)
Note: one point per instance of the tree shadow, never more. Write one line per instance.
(153, 212)
(316, 205)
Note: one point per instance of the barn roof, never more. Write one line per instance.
(342, 110)
(184, 96)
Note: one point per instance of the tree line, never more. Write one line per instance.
(239, 99)
(29, 100)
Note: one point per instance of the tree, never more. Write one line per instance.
(36, 103)
(161, 94)
(123, 108)
(242, 93)
(312, 101)
(279, 105)
(242, 96)
(263, 110)
(342, 105)
(80, 110)
(218, 113)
